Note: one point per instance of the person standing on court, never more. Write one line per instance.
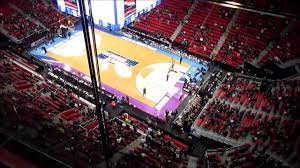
(180, 60)
(167, 77)
(144, 91)
(127, 99)
(69, 33)
(45, 50)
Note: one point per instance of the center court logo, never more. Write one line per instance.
(115, 58)
(121, 64)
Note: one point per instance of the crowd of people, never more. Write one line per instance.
(17, 25)
(241, 156)
(257, 114)
(44, 13)
(156, 148)
(204, 28)
(188, 116)
(164, 19)
(40, 106)
(255, 111)
(27, 18)
(285, 49)
(248, 36)
(83, 88)
(66, 127)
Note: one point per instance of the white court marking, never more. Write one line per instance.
(123, 70)
(155, 82)
(73, 47)
(158, 89)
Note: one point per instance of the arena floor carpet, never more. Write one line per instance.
(127, 67)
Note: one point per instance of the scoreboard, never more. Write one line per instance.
(129, 7)
(71, 4)
(112, 14)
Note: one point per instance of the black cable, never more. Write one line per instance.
(97, 67)
(94, 82)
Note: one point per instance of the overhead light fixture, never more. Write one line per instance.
(234, 3)
(230, 6)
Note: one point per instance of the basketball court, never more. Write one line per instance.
(128, 68)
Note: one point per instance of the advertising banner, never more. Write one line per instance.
(129, 7)
(71, 4)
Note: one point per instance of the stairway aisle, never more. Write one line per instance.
(6, 33)
(117, 156)
(186, 17)
(192, 162)
(264, 52)
(225, 34)
(25, 15)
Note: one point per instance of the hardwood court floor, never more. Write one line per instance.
(119, 77)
